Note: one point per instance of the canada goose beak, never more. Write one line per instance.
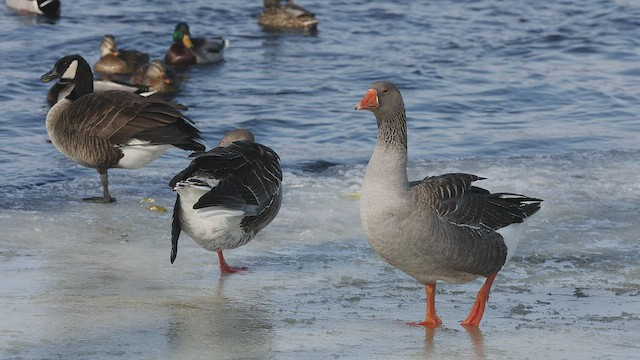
(186, 40)
(51, 75)
(369, 101)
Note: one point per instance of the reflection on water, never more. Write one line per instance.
(432, 351)
(202, 327)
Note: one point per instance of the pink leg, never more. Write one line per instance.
(225, 268)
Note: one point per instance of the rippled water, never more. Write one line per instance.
(540, 97)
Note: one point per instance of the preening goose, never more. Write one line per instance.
(227, 195)
(49, 8)
(439, 228)
(112, 129)
(118, 62)
(287, 16)
(186, 50)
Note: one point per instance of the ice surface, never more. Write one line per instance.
(89, 281)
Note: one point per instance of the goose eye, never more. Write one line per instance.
(385, 90)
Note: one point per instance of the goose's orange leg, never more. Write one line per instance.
(475, 315)
(431, 320)
(225, 268)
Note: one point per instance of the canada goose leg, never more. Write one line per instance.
(431, 320)
(226, 269)
(106, 196)
(475, 315)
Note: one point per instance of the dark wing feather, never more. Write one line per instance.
(175, 229)
(457, 201)
(119, 116)
(249, 174)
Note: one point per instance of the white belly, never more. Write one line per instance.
(214, 230)
(138, 154)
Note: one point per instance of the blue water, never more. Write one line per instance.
(540, 97)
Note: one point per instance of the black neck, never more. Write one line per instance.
(83, 81)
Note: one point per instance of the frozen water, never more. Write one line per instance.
(94, 281)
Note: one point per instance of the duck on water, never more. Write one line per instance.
(438, 228)
(112, 129)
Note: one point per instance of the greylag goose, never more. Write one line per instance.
(156, 76)
(227, 195)
(112, 129)
(438, 228)
(118, 62)
(186, 50)
(287, 16)
(49, 8)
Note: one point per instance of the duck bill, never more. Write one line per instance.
(51, 75)
(186, 40)
(369, 101)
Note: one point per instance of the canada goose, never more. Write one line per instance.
(42, 7)
(118, 62)
(287, 16)
(112, 129)
(156, 76)
(439, 228)
(186, 50)
(227, 195)
(59, 90)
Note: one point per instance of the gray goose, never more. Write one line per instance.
(112, 129)
(227, 195)
(439, 228)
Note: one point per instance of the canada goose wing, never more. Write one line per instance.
(120, 116)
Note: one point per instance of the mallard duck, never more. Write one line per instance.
(438, 228)
(186, 50)
(118, 62)
(227, 195)
(156, 76)
(112, 129)
(41, 7)
(287, 16)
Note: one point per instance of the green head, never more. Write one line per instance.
(180, 31)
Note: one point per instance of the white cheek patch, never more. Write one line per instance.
(70, 73)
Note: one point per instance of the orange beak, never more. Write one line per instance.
(369, 101)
